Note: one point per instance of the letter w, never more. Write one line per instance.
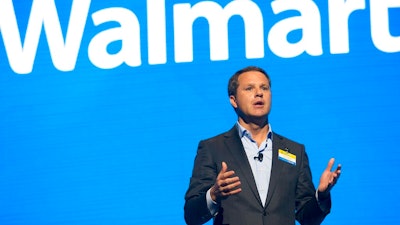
(43, 12)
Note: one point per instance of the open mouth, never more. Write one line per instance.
(258, 103)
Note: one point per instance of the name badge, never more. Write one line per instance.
(287, 157)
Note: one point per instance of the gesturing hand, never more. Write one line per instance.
(226, 184)
(328, 178)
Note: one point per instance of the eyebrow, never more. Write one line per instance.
(252, 84)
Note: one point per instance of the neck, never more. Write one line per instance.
(258, 129)
(254, 124)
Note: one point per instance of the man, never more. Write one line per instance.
(251, 175)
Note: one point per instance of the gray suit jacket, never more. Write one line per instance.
(291, 194)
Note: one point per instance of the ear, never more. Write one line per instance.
(232, 99)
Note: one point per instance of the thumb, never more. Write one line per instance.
(222, 171)
(330, 164)
(224, 167)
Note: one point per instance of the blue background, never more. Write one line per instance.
(117, 146)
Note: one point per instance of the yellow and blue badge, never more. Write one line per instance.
(286, 156)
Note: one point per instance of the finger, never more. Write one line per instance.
(230, 181)
(232, 192)
(227, 179)
(336, 175)
(330, 164)
(235, 191)
(231, 188)
(338, 169)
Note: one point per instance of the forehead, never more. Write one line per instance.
(252, 77)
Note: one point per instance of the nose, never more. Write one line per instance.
(259, 92)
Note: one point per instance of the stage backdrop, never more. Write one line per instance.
(103, 103)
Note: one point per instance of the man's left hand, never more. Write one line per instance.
(329, 178)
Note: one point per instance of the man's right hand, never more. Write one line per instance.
(226, 184)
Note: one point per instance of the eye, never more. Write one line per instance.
(265, 88)
(249, 88)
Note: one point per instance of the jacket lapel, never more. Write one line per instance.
(276, 166)
(235, 146)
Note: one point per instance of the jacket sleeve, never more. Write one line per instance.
(203, 177)
(308, 210)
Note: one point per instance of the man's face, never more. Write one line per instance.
(253, 97)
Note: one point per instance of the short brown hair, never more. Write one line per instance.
(233, 83)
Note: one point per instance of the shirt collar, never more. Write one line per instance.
(243, 132)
